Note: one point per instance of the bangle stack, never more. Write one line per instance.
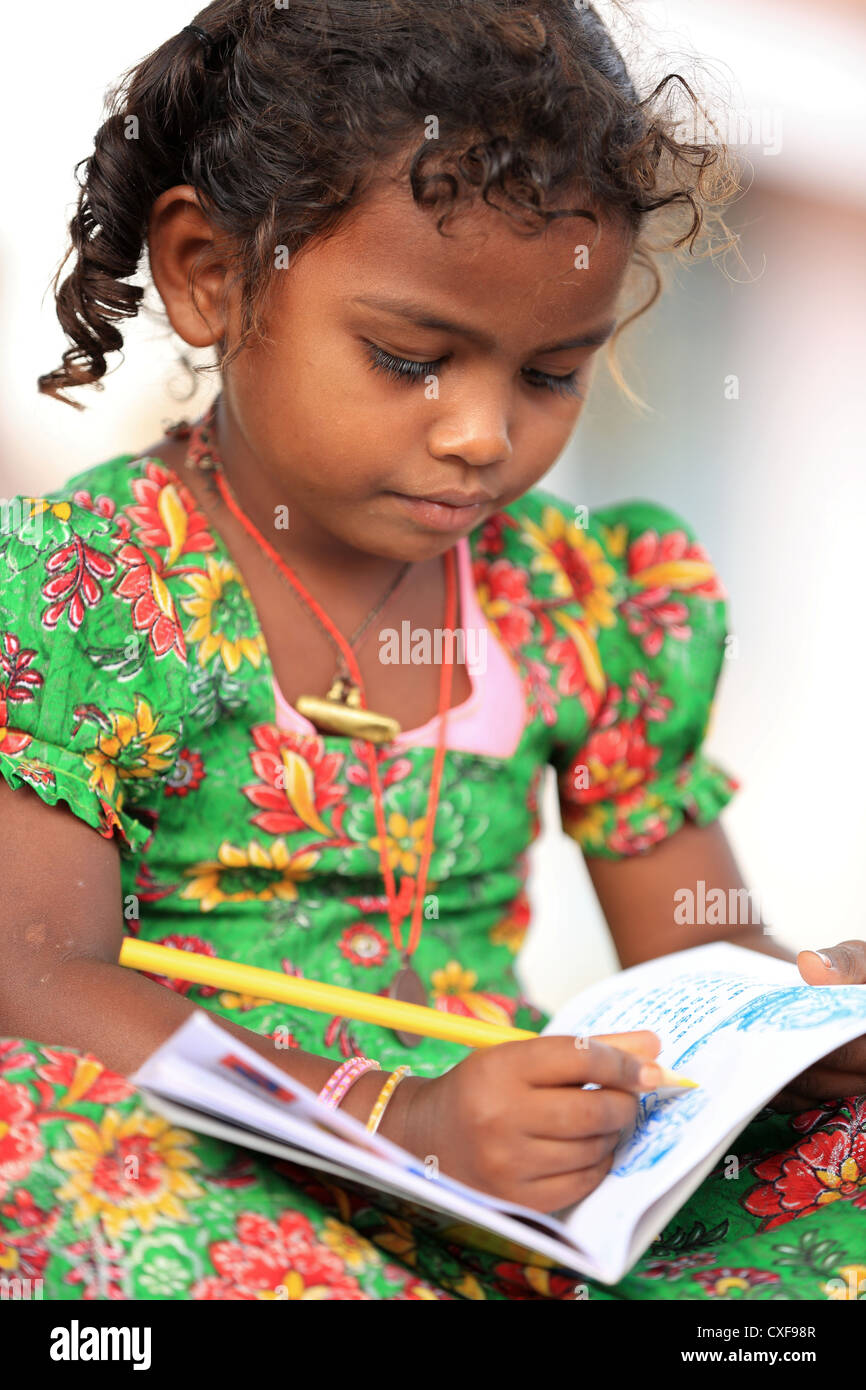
(347, 1073)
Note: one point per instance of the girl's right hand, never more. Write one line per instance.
(513, 1121)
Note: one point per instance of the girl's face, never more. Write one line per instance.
(403, 366)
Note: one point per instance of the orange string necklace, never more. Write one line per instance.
(406, 984)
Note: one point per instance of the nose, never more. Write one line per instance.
(477, 435)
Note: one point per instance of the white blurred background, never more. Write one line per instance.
(772, 481)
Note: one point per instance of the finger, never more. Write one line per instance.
(559, 1061)
(554, 1158)
(643, 1042)
(556, 1194)
(565, 1113)
(844, 964)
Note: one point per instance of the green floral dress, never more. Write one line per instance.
(136, 686)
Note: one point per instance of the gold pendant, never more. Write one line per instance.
(340, 712)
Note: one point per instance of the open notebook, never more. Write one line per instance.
(740, 1023)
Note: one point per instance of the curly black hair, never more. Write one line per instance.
(282, 122)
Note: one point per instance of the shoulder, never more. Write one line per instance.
(599, 557)
(77, 573)
(591, 596)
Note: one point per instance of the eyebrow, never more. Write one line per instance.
(419, 314)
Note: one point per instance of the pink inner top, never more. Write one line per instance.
(491, 719)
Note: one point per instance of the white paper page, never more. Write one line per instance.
(741, 1024)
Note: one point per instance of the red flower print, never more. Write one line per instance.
(24, 1254)
(298, 782)
(828, 1167)
(491, 539)
(532, 1282)
(166, 516)
(153, 611)
(11, 1056)
(338, 1034)
(187, 774)
(20, 1145)
(18, 684)
(505, 598)
(82, 1078)
(280, 1259)
(363, 945)
(722, 1281)
(390, 770)
(94, 1270)
(616, 758)
(540, 696)
(572, 678)
(672, 1269)
(105, 507)
(77, 572)
(658, 565)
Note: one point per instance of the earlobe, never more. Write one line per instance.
(178, 234)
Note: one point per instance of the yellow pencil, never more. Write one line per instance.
(324, 998)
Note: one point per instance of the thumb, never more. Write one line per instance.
(844, 964)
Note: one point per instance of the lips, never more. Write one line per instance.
(451, 498)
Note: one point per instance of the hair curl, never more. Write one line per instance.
(285, 120)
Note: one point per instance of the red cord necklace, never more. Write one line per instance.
(406, 984)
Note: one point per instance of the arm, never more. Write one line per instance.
(60, 936)
(636, 895)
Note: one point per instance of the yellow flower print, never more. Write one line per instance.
(399, 1240)
(404, 842)
(456, 987)
(241, 1001)
(128, 1171)
(131, 747)
(221, 608)
(40, 505)
(351, 1247)
(854, 1277)
(590, 827)
(296, 1290)
(615, 538)
(577, 564)
(247, 875)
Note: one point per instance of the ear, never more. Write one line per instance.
(177, 235)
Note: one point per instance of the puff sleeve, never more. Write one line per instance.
(92, 666)
(652, 638)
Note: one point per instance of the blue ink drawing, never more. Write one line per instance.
(658, 1128)
(789, 1007)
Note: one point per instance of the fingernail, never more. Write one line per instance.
(649, 1076)
(822, 955)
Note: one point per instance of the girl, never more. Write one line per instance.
(406, 230)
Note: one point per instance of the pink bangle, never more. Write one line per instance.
(346, 1074)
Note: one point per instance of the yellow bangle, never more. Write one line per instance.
(385, 1095)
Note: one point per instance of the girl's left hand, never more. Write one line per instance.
(843, 1071)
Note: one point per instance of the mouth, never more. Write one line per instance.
(445, 511)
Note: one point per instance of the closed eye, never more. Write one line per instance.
(406, 370)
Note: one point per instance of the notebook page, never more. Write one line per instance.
(742, 1025)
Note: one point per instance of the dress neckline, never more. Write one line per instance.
(469, 606)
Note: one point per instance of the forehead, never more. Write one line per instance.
(482, 269)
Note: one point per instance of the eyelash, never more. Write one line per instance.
(402, 369)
